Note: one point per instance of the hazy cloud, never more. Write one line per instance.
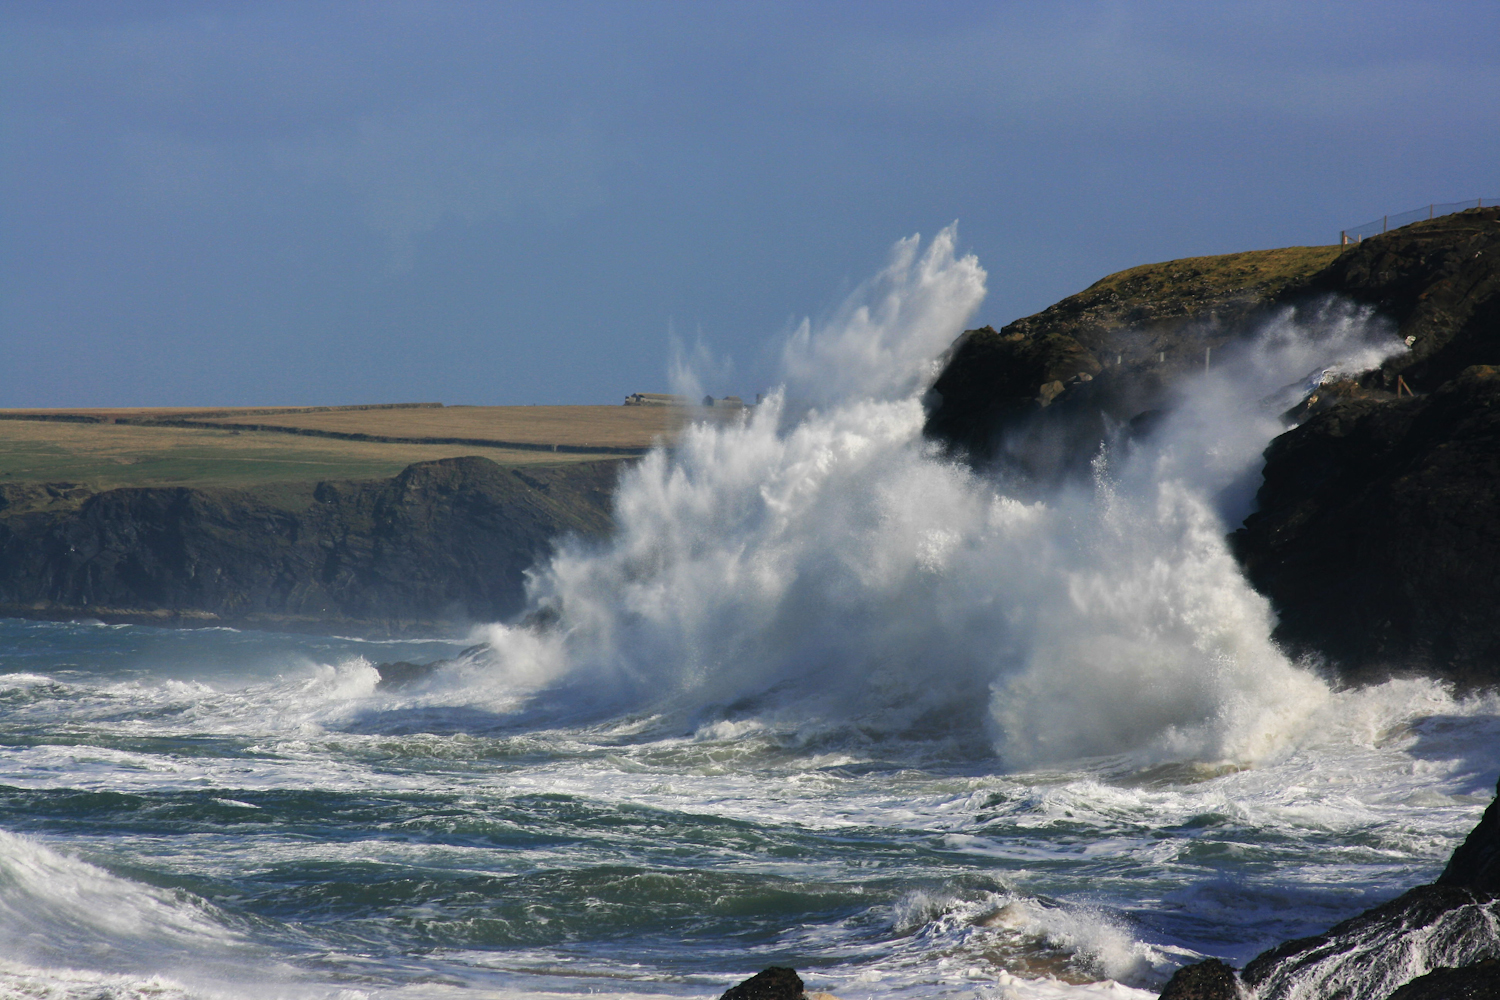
(412, 168)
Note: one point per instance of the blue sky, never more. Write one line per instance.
(319, 202)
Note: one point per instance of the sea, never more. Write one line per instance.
(827, 699)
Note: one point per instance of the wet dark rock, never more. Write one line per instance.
(1371, 955)
(1378, 533)
(441, 544)
(403, 673)
(1439, 281)
(1209, 979)
(1476, 862)
(1480, 981)
(775, 983)
(1449, 926)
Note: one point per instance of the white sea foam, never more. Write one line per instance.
(57, 910)
(828, 565)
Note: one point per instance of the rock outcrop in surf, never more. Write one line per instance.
(1435, 941)
(1377, 537)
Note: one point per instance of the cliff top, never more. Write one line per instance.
(1154, 300)
(106, 448)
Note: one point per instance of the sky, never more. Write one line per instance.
(321, 203)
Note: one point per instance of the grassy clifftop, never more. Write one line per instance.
(104, 448)
(1153, 301)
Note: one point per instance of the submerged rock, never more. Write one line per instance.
(402, 673)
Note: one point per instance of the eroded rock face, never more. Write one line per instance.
(996, 380)
(1378, 534)
(1440, 282)
(1103, 356)
(441, 543)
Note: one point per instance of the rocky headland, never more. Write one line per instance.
(439, 546)
(1377, 530)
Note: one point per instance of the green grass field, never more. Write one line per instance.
(106, 455)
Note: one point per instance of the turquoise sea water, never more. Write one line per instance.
(223, 813)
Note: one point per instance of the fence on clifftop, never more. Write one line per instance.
(1389, 222)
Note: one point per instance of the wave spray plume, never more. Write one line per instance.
(820, 566)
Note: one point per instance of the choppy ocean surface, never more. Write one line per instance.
(213, 813)
(827, 700)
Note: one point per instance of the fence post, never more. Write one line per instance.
(1343, 237)
(1429, 211)
(1385, 221)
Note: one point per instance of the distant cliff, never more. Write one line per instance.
(1377, 537)
(441, 544)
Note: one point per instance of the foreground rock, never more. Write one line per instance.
(440, 544)
(1207, 980)
(775, 983)
(1435, 942)
(1480, 981)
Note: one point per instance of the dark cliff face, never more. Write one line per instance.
(441, 543)
(1440, 281)
(1378, 534)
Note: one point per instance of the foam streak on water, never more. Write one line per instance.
(826, 699)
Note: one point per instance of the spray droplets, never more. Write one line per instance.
(824, 568)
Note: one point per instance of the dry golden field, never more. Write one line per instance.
(573, 426)
(133, 447)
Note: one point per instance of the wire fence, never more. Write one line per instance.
(1388, 222)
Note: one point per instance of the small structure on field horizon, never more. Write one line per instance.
(656, 399)
(724, 403)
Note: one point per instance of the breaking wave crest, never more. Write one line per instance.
(820, 563)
